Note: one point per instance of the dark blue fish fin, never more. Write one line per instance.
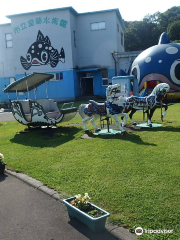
(40, 36)
(164, 39)
(54, 58)
(47, 40)
(122, 73)
(62, 56)
(24, 63)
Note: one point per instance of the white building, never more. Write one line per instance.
(83, 50)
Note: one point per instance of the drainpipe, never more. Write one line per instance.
(115, 62)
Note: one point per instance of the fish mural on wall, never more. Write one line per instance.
(42, 53)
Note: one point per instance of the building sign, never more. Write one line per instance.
(38, 21)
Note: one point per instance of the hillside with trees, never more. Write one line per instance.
(140, 35)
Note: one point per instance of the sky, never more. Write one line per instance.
(132, 10)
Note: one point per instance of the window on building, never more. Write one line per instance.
(11, 80)
(105, 80)
(74, 33)
(89, 74)
(122, 39)
(117, 27)
(8, 40)
(60, 76)
(98, 26)
(57, 76)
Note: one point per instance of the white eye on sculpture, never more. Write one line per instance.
(136, 72)
(175, 71)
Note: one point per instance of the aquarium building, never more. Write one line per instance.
(81, 50)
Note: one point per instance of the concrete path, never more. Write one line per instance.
(6, 115)
(31, 211)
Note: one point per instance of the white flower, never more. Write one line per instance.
(1, 156)
(86, 196)
(78, 197)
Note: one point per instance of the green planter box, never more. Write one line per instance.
(2, 168)
(94, 224)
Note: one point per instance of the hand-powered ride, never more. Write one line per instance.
(120, 106)
(113, 107)
(148, 104)
(38, 112)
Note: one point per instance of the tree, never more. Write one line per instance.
(173, 30)
(140, 35)
(168, 17)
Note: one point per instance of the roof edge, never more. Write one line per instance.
(41, 11)
(74, 12)
(108, 10)
(1, 24)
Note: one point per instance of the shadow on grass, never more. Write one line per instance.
(157, 129)
(123, 137)
(46, 137)
(52, 137)
(137, 139)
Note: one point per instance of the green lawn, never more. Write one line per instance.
(77, 103)
(135, 177)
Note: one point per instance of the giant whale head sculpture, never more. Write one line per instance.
(160, 62)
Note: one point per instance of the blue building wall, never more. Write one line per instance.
(98, 88)
(66, 88)
(97, 83)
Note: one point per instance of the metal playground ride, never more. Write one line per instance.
(37, 112)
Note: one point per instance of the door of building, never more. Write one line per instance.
(87, 86)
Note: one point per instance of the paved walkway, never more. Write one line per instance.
(31, 211)
(6, 115)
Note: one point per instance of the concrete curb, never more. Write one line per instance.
(119, 232)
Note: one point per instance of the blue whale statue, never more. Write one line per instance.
(160, 62)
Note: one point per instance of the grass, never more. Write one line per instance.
(77, 103)
(135, 177)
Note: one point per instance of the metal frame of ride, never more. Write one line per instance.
(37, 112)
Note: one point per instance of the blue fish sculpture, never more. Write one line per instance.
(42, 53)
(160, 62)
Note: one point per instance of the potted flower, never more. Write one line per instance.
(88, 213)
(2, 164)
